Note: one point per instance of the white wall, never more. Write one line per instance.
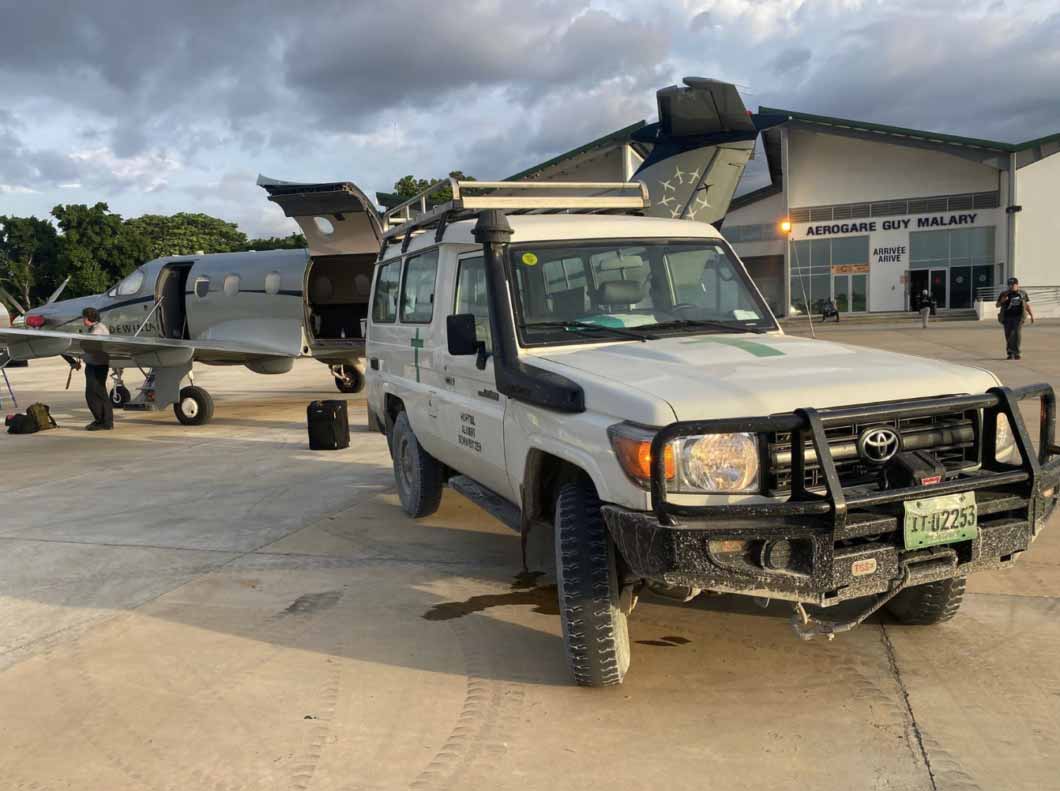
(826, 169)
(1037, 251)
(767, 210)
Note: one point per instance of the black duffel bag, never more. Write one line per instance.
(329, 425)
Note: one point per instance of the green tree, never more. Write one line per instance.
(96, 248)
(186, 234)
(294, 241)
(27, 258)
(409, 187)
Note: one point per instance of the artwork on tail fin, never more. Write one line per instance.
(700, 146)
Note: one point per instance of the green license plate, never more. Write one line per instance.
(941, 520)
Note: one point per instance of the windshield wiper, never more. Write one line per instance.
(585, 325)
(725, 326)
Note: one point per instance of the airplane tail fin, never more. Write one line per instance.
(700, 146)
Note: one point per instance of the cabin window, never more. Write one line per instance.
(272, 283)
(231, 285)
(130, 285)
(417, 292)
(384, 303)
(324, 225)
(202, 287)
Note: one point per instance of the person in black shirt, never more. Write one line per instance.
(1014, 306)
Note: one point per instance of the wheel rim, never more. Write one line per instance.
(405, 464)
(190, 407)
(115, 397)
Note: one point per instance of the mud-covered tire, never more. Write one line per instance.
(595, 629)
(418, 474)
(924, 605)
(194, 407)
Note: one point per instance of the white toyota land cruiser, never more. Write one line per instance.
(621, 381)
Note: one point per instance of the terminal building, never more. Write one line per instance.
(870, 216)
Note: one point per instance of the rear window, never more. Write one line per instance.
(417, 293)
(384, 302)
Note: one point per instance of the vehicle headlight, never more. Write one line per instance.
(703, 463)
(1005, 442)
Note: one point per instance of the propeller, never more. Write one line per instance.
(14, 302)
(56, 293)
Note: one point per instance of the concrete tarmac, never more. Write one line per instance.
(221, 608)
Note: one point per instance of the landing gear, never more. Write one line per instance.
(120, 396)
(348, 379)
(195, 406)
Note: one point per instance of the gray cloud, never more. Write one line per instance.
(791, 59)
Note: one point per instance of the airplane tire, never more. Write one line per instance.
(120, 396)
(356, 383)
(195, 406)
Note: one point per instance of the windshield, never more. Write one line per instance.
(129, 286)
(665, 286)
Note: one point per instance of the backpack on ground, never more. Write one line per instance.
(42, 415)
(21, 424)
(329, 427)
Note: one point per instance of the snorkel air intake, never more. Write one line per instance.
(515, 378)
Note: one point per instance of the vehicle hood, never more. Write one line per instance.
(716, 376)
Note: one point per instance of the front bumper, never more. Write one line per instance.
(824, 548)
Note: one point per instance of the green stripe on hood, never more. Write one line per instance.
(752, 347)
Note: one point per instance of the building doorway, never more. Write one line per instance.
(850, 293)
(938, 287)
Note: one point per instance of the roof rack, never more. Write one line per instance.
(418, 214)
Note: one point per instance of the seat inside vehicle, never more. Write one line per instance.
(338, 288)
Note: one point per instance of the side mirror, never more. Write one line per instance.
(460, 334)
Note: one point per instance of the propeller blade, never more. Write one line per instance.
(58, 291)
(14, 302)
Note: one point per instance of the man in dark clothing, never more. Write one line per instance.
(1015, 306)
(97, 367)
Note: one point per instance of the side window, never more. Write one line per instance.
(384, 302)
(231, 286)
(417, 292)
(202, 286)
(471, 297)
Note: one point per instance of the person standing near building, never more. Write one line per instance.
(97, 367)
(1014, 306)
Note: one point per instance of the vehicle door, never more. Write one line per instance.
(405, 341)
(472, 405)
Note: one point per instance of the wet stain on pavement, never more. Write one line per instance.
(542, 599)
(526, 579)
(313, 602)
(666, 642)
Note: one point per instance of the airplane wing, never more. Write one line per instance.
(125, 350)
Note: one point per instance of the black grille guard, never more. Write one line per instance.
(1033, 474)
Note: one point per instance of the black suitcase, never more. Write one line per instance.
(329, 425)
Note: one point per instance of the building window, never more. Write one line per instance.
(761, 232)
(959, 262)
(814, 262)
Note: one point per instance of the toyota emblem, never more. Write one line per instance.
(878, 445)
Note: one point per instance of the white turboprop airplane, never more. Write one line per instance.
(258, 309)
(263, 310)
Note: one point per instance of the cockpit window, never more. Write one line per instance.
(130, 285)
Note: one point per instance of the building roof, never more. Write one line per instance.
(624, 135)
(904, 132)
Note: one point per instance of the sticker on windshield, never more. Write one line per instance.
(745, 315)
(529, 259)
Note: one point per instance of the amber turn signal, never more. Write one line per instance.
(633, 449)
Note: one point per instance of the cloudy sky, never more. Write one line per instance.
(177, 106)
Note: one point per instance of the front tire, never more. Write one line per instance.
(418, 474)
(595, 629)
(194, 407)
(925, 605)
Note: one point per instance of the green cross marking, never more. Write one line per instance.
(757, 349)
(416, 344)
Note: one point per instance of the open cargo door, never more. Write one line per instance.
(700, 146)
(343, 231)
